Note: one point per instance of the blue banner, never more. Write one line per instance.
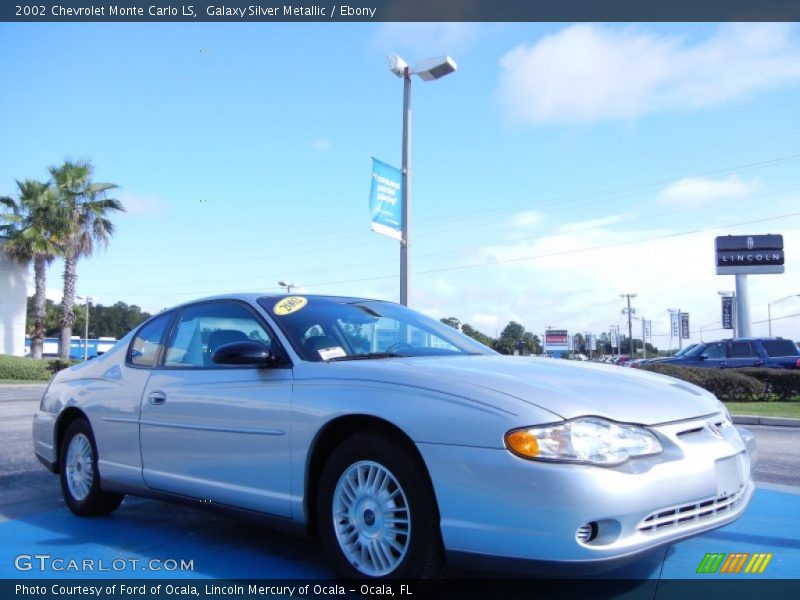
(386, 199)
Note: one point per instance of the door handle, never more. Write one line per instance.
(157, 398)
(722, 365)
(758, 363)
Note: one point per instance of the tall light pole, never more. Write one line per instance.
(288, 285)
(427, 70)
(769, 310)
(88, 300)
(630, 312)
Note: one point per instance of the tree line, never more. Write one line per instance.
(104, 321)
(512, 338)
(68, 216)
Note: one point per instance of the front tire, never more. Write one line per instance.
(80, 478)
(377, 512)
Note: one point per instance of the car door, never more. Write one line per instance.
(742, 354)
(218, 433)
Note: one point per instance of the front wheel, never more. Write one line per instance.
(377, 512)
(80, 479)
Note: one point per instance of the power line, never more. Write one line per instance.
(455, 250)
(563, 252)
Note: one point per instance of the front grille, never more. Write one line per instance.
(688, 514)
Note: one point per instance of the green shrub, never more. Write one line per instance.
(57, 365)
(730, 386)
(689, 374)
(26, 369)
(781, 384)
(725, 384)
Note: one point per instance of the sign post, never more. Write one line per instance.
(741, 255)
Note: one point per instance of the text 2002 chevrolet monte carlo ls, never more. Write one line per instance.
(395, 439)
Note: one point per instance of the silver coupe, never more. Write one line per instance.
(400, 443)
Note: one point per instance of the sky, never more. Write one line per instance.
(561, 166)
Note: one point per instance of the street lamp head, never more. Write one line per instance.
(726, 294)
(434, 68)
(397, 65)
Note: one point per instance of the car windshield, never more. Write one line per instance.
(335, 329)
(695, 351)
(685, 350)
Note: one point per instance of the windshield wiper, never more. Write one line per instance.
(365, 356)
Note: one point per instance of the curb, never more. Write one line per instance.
(756, 420)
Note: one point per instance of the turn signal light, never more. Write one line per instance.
(523, 442)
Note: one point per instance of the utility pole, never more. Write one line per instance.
(630, 312)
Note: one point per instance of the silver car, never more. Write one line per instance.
(401, 443)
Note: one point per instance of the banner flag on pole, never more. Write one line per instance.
(386, 199)
(684, 326)
(674, 324)
(727, 312)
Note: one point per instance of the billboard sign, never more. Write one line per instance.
(556, 339)
(727, 312)
(386, 199)
(684, 326)
(648, 330)
(749, 254)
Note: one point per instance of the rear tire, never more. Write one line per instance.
(80, 478)
(377, 512)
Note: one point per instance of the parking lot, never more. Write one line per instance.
(34, 520)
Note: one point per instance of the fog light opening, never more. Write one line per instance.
(586, 532)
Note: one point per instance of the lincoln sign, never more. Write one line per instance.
(746, 254)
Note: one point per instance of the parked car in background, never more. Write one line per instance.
(398, 441)
(775, 353)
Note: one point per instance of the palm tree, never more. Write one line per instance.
(88, 207)
(37, 229)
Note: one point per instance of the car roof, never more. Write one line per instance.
(253, 297)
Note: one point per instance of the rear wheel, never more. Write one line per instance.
(377, 512)
(80, 479)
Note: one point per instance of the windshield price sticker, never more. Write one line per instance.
(289, 305)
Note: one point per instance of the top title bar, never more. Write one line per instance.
(401, 10)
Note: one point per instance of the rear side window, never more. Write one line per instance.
(780, 348)
(741, 350)
(146, 345)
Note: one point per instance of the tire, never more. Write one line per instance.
(80, 478)
(369, 478)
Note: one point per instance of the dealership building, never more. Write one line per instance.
(13, 304)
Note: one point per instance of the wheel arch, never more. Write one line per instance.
(332, 435)
(66, 417)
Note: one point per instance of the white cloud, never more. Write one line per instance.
(693, 191)
(592, 223)
(586, 73)
(527, 219)
(420, 40)
(321, 145)
(142, 205)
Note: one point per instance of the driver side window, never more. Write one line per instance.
(203, 328)
(714, 351)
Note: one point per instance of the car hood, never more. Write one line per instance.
(567, 388)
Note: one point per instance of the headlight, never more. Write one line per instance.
(588, 440)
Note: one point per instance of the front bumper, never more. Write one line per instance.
(496, 504)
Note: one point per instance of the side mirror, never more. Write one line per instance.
(244, 353)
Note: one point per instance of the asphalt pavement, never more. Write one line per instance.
(34, 519)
